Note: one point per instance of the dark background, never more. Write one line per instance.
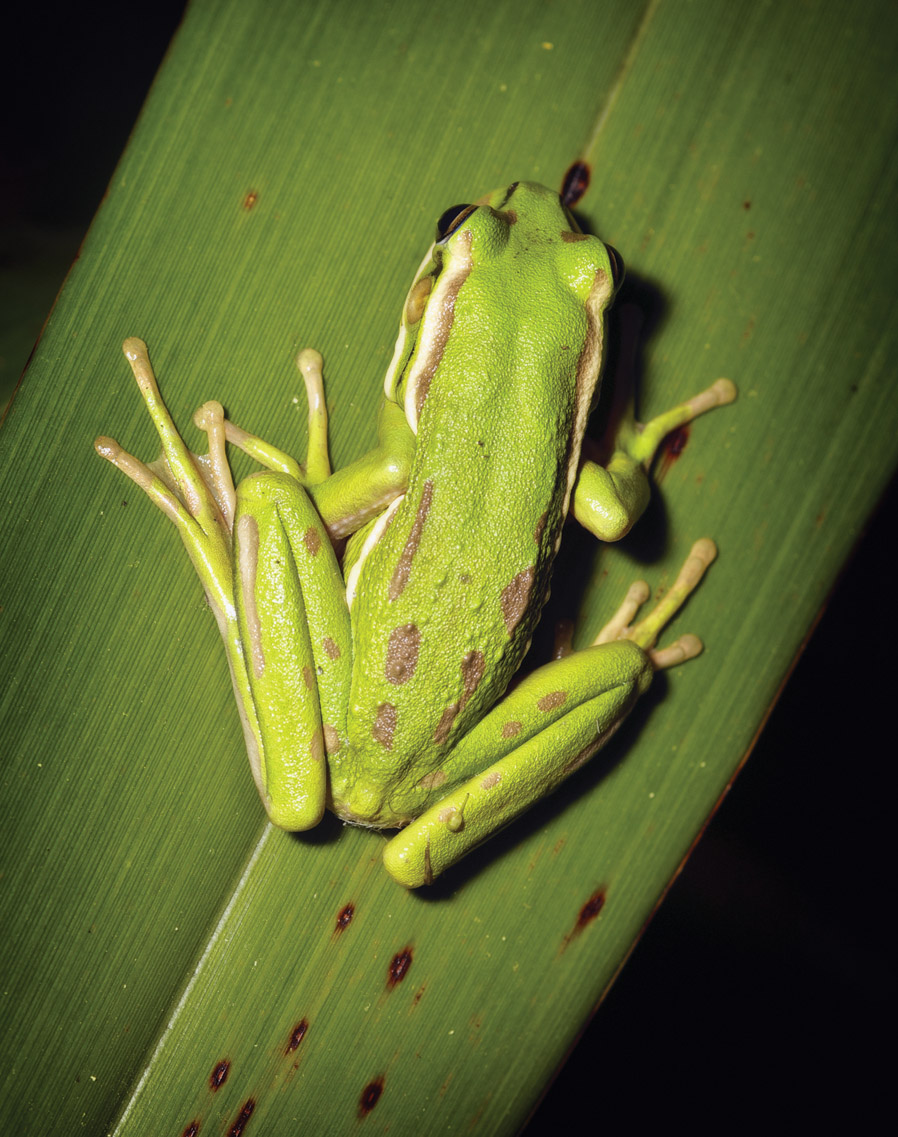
(763, 991)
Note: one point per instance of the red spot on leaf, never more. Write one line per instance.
(370, 1096)
(344, 919)
(399, 965)
(575, 184)
(250, 200)
(586, 915)
(671, 449)
(246, 1112)
(219, 1075)
(297, 1035)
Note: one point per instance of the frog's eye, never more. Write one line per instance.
(618, 269)
(451, 219)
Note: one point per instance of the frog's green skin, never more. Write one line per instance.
(383, 697)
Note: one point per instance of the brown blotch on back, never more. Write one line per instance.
(333, 651)
(312, 540)
(332, 742)
(569, 236)
(307, 677)
(472, 668)
(402, 654)
(516, 597)
(551, 701)
(404, 565)
(540, 527)
(489, 780)
(384, 725)
(316, 745)
(445, 724)
(433, 780)
(511, 729)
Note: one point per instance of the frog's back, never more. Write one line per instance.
(447, 600)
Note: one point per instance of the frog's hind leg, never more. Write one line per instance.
(546, 728)
(294, 624)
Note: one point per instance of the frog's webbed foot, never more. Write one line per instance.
(645, 632)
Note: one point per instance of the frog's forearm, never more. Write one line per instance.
(352, 496)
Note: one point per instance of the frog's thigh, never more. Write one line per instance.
(294, 627)
(555, 720)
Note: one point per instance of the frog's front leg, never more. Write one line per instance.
(608, 499)
(545, 729)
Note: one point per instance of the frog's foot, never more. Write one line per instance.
(609, 499)
(641, 440)
(316, 467)
(195, 492)
(645, 633)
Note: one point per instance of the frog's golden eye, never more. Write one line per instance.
(618, 268)
(451, 219)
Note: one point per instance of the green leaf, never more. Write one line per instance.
(168, 958)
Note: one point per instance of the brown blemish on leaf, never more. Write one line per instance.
(316, 745)
(515, 598)
(490, 780)
(433, 780)
(312, 541)
(332, 741)
(246, 1112)
(511, 729)
(307, 678)
(250, 200)
(384, 725)
(219, 1075)
(404, 564)
(586, 915)
(402, 654)
(192, 1129)
(296, 1036)
(344, 919)
(333, 652)
(551, 701)
(575, 183)
(370, 1096)
(569, 236)
(399, 965)
(538, 531)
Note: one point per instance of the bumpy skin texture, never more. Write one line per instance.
(376, 687)
(448, 598)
